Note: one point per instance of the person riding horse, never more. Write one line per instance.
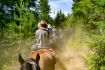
(42, 56)
(42, 36)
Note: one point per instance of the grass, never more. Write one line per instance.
(9, 52)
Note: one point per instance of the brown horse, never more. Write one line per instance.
(47, 58)
(41, 59)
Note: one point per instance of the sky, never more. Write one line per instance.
(64, 5)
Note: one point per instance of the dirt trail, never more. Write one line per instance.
(72, 52)
(71, 58)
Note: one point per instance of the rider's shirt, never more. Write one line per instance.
(42, 38)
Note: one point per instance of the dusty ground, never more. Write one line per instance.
(72, 52)
(71, 59)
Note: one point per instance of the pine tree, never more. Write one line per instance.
(59, 19)
(44, 9)
(23, 21)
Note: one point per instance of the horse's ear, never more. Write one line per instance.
(21, 60)
(37, 58)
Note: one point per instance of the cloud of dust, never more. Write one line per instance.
(71, 50)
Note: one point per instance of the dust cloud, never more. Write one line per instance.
(71, 50)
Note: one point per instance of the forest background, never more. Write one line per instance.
(18, 23)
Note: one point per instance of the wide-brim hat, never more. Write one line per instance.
(42, 24)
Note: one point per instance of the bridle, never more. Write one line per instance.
(34, 65)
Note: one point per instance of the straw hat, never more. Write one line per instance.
(42, 24)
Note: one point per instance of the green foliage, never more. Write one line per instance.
(91, 15)
(60, 19)
(45, 10)
(44, 7)
(97, 58)
(7, 8)
(4, 67)
(19, 21)
(91, 11)
(25, 19)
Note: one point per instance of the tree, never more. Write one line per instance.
(22, 21)
(7, 9)
(44, 9)
(59, 19)
(91, 11)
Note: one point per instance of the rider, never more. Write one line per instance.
(42, 36)
(50, 30)
(54, 33)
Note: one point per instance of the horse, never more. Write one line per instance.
(41, 59)
(29, 64)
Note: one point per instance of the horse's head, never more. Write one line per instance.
(29, 64)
